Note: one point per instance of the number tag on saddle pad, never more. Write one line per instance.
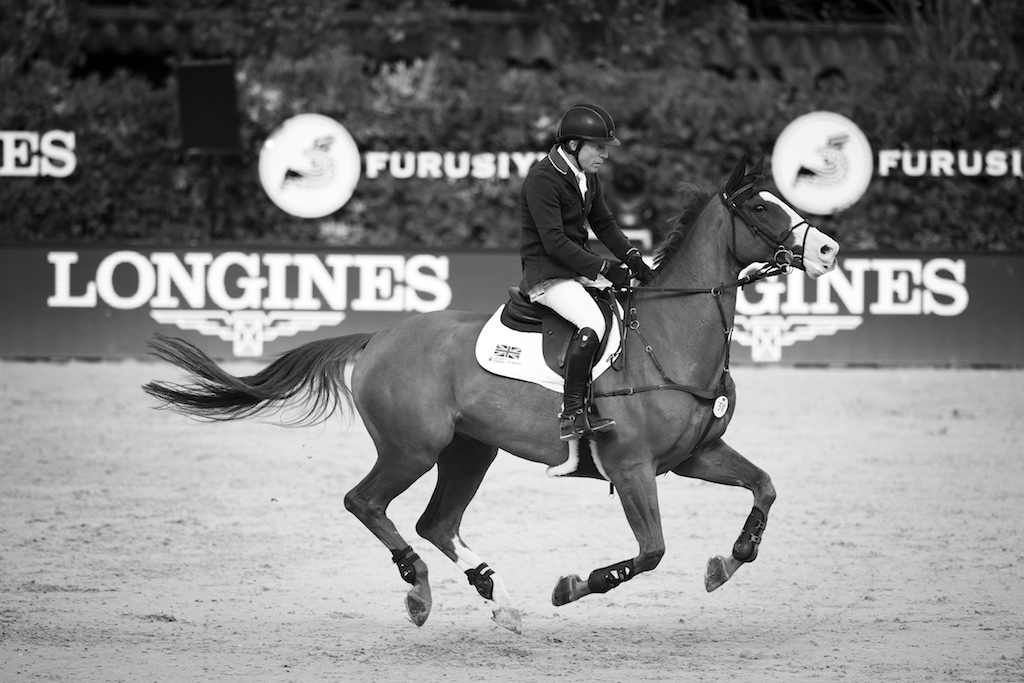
(721, 406)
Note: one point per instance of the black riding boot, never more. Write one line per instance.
(575, 420)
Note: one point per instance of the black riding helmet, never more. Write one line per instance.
(587, 122)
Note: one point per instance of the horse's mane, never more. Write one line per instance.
(695, 198)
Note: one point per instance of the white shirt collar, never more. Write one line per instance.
(581, 177)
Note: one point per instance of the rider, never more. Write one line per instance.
(560, 194)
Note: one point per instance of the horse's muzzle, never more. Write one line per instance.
(819, 253)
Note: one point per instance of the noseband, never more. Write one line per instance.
(785, 258)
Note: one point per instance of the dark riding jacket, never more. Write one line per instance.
(553, 242)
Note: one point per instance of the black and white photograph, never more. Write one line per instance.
(511, 340)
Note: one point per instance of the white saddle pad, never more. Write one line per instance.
(519, 355)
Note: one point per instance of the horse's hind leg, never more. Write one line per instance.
(461, 467)
(720, 464)
(369, 501)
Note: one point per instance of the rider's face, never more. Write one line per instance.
(592, 155)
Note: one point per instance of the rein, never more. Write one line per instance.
(784, 261)
(783, 264)
(766, 271)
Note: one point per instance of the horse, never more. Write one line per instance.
(427, 403)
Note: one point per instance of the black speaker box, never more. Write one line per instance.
(208, 98)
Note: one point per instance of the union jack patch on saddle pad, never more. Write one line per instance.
(506, 352)
(519, 355)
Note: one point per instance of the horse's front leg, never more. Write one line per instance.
(638, 491)
(719, 463)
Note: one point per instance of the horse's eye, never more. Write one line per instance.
(759, 208)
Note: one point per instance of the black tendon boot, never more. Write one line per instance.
(575, 420)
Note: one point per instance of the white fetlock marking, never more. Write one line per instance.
(502, 598)
(571, 463)
(465, 558)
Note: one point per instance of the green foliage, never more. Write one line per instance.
(678, 122)
(970, 105)
(50, 30)
(638, 33)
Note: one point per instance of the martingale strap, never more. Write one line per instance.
(633, 325)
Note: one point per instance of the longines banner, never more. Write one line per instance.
(885, 309)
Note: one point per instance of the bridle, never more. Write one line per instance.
(784, 261)
(785, 258)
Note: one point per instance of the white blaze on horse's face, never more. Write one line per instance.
(817, 249)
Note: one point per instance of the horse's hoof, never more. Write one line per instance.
(417, 608)
(510, 618)
(716, 573)
(562, 595)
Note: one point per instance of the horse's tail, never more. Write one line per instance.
(311, 376)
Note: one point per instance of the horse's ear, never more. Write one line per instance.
(756, 170)
(737, 174)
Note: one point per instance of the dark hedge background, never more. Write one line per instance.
(680, 122)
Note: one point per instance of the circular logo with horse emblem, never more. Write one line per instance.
(822, 163)
(309, 166)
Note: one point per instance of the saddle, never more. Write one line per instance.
(529, 341)
(556, 332)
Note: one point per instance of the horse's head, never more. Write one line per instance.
(774, 230)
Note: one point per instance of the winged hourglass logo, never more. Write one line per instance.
(248, 330)
(766, 335)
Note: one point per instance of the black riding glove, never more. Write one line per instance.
(635, 261)
(617, 273)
